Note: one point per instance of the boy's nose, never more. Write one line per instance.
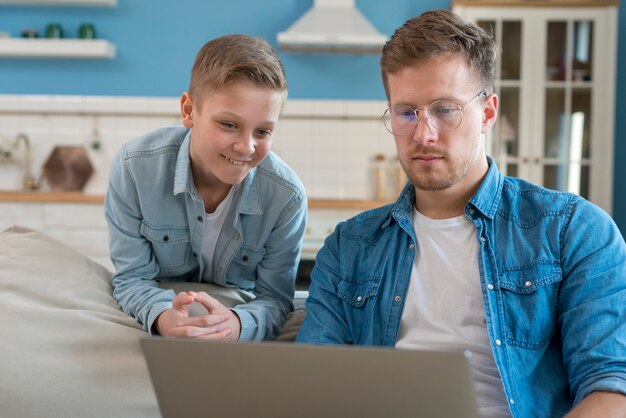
(245, 144)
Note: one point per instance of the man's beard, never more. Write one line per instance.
(434, 179)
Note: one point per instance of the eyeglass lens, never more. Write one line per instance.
(442, 115)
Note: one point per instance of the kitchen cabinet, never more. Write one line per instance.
(556, 82)
(79, 225)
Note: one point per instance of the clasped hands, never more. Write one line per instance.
(220, 323)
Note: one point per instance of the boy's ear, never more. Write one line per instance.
(186, 110)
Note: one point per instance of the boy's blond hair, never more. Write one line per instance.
(232, 58)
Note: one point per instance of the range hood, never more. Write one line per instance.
(334, 26)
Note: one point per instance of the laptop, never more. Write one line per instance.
(194, 378)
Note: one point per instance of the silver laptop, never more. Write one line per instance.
(241, 379)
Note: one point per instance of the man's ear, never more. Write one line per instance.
(186, 110)
(490, 112)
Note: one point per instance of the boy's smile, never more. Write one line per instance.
(232, 131)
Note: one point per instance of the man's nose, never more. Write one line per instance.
(424, 132)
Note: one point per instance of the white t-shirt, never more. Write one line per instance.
(213, 223)
(444, 306)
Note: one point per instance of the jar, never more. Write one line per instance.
(380, 177)
(54, 31)
(87, 31)
(30, 33)
(399, 176)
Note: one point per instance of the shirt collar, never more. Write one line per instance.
(486, 199)
(249, 202)
(403, 208)
(183, 180)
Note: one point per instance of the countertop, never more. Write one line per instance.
(77, 197)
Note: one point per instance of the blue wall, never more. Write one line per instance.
(158, 39)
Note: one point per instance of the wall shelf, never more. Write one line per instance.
(56, 48)
(107, 3)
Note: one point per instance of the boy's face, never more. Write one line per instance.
(232, 131)
(433, 160)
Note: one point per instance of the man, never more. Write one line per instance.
(533, 281)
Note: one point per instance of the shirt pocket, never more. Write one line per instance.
(243, 269)
(529, 298)
(170, 244)
(357, 291)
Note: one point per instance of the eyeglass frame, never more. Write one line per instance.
(417, 117)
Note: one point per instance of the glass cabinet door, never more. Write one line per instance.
(556, 81)
(504, 141)
(566, 158)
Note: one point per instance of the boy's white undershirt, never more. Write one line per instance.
(213, 223)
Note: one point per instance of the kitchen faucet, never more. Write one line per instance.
(29, 182)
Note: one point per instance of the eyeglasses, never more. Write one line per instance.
(443, 115)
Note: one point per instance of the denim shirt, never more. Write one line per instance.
(553, 277)
(156, 216)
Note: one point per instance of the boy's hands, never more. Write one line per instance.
(220, 323)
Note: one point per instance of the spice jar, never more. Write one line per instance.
(380, 177)
(399, 176)
(87, 31)
(30, 33)
(54, 31)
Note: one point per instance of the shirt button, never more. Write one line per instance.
(397, 298)
(490, 286)
(528, 284)
(199, 218)
(512, 401)
(359, 298)
(195, 254)
(471, 211)
(483, 239)
(411, 245)
(166, 238)
(498, 343)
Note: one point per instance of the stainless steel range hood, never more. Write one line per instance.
(334, 26)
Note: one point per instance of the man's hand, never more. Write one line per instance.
(600, 404)
(220, 323)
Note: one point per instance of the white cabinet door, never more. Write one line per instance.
(29, 215)
(81, 226)
(556, 83)
(78, 225)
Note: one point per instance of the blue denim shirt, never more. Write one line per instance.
(553, 277)
(155, 218)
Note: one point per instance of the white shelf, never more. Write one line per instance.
(56, 48)
(108, 3)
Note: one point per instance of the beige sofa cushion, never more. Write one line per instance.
(66, 349)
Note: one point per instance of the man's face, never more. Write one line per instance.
(232, 131)
(434, 160)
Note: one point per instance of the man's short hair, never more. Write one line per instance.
(435, 33)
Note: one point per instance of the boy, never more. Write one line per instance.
(208, 202)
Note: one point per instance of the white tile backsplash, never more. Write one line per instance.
(330, 144)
